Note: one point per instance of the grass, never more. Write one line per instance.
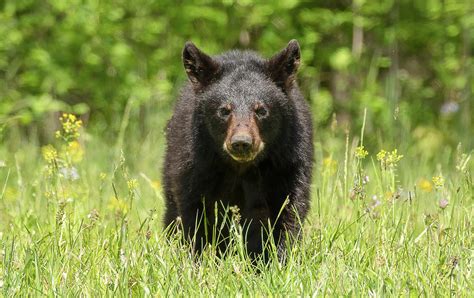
(84, 218)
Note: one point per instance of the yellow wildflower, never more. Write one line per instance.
(381, 155)
(425, 185)
(438, 181)
(389, 195)
(388, 159)
(102, 176)
(393, 158)
(75, 151)
(49, 153)
(329, 165)
(70, 127)
(118, 205)
(156, 184)
(132, 184)
(11, 194)
(360, 152)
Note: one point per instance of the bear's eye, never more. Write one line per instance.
(224, 112)
(261, 111)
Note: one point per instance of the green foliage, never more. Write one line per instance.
(408, 62)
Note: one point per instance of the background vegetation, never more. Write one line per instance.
(408, 62)
(80, 210)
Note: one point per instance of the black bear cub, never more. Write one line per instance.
(241, 135)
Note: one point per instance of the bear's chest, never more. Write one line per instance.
(256, 189)
(228, 190)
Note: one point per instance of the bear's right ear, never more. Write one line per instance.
(282, 67)
(199, 67)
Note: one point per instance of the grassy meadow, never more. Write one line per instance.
(390, 87)
(81, 216)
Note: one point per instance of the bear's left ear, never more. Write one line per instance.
(199, 67)
(282, 67)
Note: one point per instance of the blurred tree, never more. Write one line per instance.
(408, 62)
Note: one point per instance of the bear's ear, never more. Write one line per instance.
(282, 67)
(199, 67)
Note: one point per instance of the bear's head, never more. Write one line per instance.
(243, 99)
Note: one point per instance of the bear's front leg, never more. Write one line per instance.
(293, 210)
(192, 217)
(257, 215)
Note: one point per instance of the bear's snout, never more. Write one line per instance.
(241, 144)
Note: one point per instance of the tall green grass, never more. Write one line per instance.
(83, 217)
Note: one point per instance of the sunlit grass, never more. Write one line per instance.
(78, 218)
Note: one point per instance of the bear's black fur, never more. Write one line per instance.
(241, 134)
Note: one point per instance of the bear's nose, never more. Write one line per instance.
(241, 144)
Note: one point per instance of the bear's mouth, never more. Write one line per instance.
(244, 157)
